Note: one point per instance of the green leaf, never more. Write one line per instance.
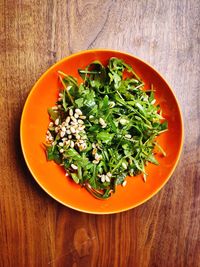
(105, 137)
(79, 102)
(53, 114)
(75, 177)
(53, 154)
(152, 159)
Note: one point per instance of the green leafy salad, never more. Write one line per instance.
(104, 129)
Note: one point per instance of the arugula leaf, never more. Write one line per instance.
(105, 137)
(53, 115)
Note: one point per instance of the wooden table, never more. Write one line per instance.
(37, 231)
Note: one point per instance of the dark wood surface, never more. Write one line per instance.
(35, 230)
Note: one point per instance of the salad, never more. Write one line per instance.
(104, 129)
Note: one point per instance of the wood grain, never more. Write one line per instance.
(34, 229)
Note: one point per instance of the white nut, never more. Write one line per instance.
(74, 123)
(72, 144)
(57, 121)
(124, 183)
(73, 119)
(81, 128)
(62, 134)
(73, 130)
(107, 179)
(93, 145)
(76, 115)
(67, 120)
(102, 122)
(78, 136)
(112, 104)
(78, 111)
(74, 167)
(80, 121)
(103, 178)
(70, 112)
(123, 121)
(124, 165)
(82, 117)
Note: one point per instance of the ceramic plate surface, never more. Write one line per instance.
(51, 177)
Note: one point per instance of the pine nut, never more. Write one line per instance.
(124, 183)
(74, 167)
(78, 111)
(57, 121)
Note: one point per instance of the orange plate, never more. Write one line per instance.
(51, 177)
